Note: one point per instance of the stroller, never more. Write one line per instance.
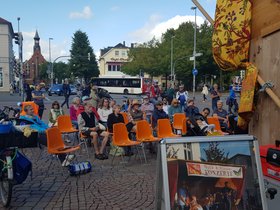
(197, 126)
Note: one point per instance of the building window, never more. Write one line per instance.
(123, 53)
(117, 53)
(1, 77)
(118, 68)
(109, 67)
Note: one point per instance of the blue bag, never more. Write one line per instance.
(79, 168)
(22, 167)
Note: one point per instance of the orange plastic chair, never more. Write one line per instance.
(184, 127)
(120, 137)
(164, 129)
(178, 121)
(125, 117)
(64, 124)
(55, 143)
(144, 132)
(215, 121)
(31, 103)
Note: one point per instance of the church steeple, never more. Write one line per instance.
(36, 43)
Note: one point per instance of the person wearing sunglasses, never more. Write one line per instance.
(174, 108)
(55, 112)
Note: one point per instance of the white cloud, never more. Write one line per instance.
(155, 28)
(85, 14)
(57, 48)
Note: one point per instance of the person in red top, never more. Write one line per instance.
(81, 108)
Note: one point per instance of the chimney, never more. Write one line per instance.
(123, 43)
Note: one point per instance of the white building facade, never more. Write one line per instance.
(111, 60)
(6, 55)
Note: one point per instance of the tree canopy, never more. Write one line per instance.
(154, 56)
(83, 62)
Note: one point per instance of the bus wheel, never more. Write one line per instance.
(125, 91)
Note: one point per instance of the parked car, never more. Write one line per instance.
(56, 89)
(73, 90)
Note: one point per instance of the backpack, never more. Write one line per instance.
(22, 167)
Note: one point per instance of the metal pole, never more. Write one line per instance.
(171, 61)
(50, 62)
(21, 88)
(194, 50)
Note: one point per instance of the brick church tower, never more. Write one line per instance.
(31, 67)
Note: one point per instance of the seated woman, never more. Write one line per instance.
(55, 112)
(104, 111)
(174, 108)
(74, 107)
(38, 125)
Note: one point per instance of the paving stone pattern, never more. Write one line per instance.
(107, 186)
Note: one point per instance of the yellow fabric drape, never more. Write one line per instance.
(230, 45)
(232, 32)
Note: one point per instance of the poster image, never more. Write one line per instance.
(213, 176)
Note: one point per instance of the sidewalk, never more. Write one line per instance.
(117, 186)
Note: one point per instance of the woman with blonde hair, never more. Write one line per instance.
(104, 110)
(94, 96)
(174, 108)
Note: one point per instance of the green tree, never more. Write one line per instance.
(80, 64)
(43, 75)
(215, 154)
(61, 71)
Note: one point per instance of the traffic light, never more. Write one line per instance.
(16, 36)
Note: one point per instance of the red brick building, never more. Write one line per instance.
(31, 66)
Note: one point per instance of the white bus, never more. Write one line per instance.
(121, 85)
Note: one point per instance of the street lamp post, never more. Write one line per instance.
(194, 50)
(50, 69)
(171, 61)
(20, 41)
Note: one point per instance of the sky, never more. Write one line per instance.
(106, 22)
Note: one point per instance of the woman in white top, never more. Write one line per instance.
(204, 92)
(104, 110)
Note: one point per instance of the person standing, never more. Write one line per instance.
(182, 96)
(38, 98)
(215, 95)
(170, 92)
(94, 96)
(204, 92)
(66, 92)
(28, 92)
(231, 101)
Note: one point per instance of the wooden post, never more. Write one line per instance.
(272, 95)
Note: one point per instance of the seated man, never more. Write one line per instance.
(222, 115)
(88, 126)
(191, 109)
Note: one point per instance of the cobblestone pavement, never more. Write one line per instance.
(107, 186)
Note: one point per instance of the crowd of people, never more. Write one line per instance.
(94, 116)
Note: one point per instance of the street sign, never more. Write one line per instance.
(196, 55)
(194, 72)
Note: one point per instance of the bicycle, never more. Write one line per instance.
(8, 153)
(7, 156)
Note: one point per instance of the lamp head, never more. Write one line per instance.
(193, 8)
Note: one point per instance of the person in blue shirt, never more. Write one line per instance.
(191, 109)
(231, 101)
(38, 97)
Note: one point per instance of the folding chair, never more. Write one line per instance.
(164, 129)
(65, 126)
(144, 134)
(216, 122)
(55, 143)
(125, 117)
(178, 121)
(121, 139)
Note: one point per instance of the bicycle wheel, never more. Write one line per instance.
(6, 187)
